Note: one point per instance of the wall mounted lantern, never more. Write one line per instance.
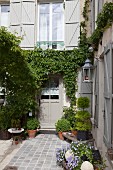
(87, 71)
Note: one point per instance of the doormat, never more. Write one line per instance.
(10, 168)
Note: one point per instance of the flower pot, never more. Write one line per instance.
(16, 142)
(32, 133)
(74, 132)
(60, 135)
(82, 135)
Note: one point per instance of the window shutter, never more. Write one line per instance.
(15, 16)
(28, 23)
(96, 93)
(108, 95)
(72, 23)
(92, 15)
(23, 21)
(100, 5)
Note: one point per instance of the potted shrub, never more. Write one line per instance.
(32, 126)
(69, 114)
(62, 125)
(74, 130)
(83, 122)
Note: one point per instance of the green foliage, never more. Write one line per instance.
(83, 102)
(32, 124)
(5, 118)
(69, 114)
(85, 9)
(82, 115)
(83, 121)
(62, 125)
(80, 149)
(83, 125)
(104, 20)
(15, 75)
(15, 123)
(50, 62)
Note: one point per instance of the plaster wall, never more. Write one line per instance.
(99, 132)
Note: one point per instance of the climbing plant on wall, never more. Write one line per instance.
(104, 20)
(66, 63)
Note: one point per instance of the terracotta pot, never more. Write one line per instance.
(60, 135)
(32, 133)
(16, 142)
(74, 132)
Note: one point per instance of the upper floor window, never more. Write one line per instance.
(4, 15)
(51, 26)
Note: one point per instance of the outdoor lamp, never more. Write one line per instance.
(87, 70)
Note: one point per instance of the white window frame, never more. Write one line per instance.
(50, 19)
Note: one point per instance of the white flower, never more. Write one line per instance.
(68, 154)
(86, 165)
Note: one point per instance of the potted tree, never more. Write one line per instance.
(83, 122)
(32, 126)
(62, 125)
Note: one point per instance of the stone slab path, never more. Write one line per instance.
(38, 153)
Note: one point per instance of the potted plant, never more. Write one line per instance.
(62, 125)
(83, 122)
(74, 130)
(15, 123)
(16, 140)
(32, 126)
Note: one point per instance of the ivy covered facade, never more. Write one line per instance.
(49, 33)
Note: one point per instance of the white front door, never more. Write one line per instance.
(51, 103)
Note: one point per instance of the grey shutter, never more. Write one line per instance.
(23, 21)
(92, 15)
(100, 5)
(96, 93)
(108, 95)
(15, 16)
(72, 23)
(28, 23)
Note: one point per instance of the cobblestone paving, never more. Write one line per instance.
(4, 146)
(38, 153)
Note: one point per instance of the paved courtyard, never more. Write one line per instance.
(38, 153)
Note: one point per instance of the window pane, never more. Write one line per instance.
(44, 9)
(57, 8)
(44, 22)
(57, 22)
(5, 15)
(5, 8)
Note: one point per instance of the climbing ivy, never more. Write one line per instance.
(46, 62)
(104, 20)
(85, 9)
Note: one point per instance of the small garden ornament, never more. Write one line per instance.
(86, 165)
